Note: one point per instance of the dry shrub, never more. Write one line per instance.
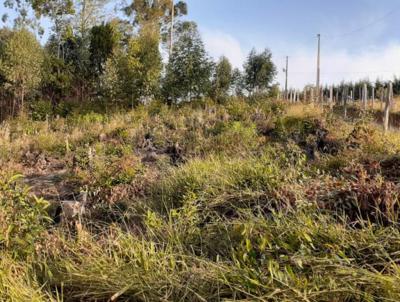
(358, 194)
(391, 168)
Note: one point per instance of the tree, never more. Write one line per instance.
(142, 68)
(189, 69)
(160, 13)
(57, 78)
(57, 11)
(111, 80)
(104, 39)
(5, 35)
(6, 96)
(134, 75)
(238, 85)
(260, 71)
(89, 14)
(21, 63)
(222, 81)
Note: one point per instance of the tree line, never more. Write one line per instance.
(116, 62)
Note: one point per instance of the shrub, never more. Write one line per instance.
(63, 109)
(41, 110)
(22, 218)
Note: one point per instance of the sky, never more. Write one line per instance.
(359, 38)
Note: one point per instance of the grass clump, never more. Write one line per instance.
(224, 184)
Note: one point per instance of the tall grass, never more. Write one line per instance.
(231, 209)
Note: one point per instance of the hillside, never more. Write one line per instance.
(245, 201)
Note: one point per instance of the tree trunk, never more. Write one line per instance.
(22, 100)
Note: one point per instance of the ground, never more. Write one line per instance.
(243, 201)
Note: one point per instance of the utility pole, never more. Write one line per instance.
(318, 67)
(171, 46)
(286, 80)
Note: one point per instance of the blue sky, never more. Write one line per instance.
(289, 27)
(360, 38)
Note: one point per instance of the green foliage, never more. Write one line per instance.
(103, 41)
(40, 110)
(259, 70)
(134, 75)
(159, 12)
(21, 63)
(189, 69)
(222, 81)
(289, 257)
(22, 218)
(57, 77)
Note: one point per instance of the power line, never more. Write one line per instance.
(352, 32)
(345, 72)
(362, 28)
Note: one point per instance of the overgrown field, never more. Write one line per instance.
(246, 201)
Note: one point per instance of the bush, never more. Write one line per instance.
(22, 218)
(63, 109)
(40, 110)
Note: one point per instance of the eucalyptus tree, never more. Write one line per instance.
(222, 81)
(132, 72)
(260, 71)
(188, 73)
(162, 13)
(21, 65)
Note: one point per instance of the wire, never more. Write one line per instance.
(378, 20)
(352, 32)
(345, 72)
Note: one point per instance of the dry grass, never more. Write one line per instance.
(239, 202)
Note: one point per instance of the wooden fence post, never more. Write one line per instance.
(373, 97)
(365, 96)
(345, 92)
(389, 100)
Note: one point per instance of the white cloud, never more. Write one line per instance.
(219, 43)
(338, 65)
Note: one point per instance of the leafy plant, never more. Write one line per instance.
(22, 218)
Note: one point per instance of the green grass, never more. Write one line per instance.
(233, 208)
